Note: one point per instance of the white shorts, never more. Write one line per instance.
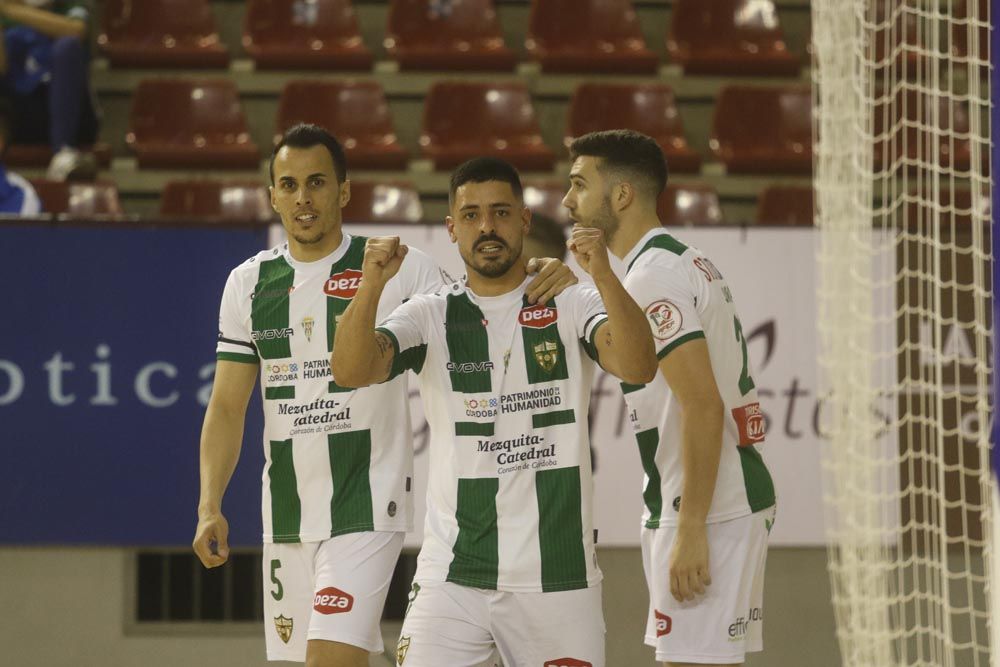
(459, 626)
(725, 623)
(333, 590)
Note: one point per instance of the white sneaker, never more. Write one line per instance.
(69, 164)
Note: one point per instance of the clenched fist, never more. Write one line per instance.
(383, 257)
(590, 250)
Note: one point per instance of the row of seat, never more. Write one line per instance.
(733, 37)
(399, 202)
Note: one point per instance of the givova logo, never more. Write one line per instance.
(272, 334)
(469, 366)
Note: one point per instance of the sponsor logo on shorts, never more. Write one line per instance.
(343, 285)
(537, 317)
(663, 623)
(665, 319)
(332, 600)
(567, 662)
(283, 626)
(391, 509)
(402, 646)
(750, 424)
(738, 629)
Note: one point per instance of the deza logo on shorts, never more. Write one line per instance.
(332, 600)
(537, 317)
(568, 662)
(343, 285)
(663, 623)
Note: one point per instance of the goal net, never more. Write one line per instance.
(901, 109)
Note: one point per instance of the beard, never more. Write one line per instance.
(605, 220)
(492, 268)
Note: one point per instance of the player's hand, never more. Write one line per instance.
(553, 277)
(211, 540)
(590, 250)
(689, 563)
(383, 257)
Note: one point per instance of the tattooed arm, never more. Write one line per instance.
(362, 355)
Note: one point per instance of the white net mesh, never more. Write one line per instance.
(902, 188)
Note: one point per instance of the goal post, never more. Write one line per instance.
(905, 267)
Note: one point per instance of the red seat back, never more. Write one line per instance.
(649, 108)
(187, 112)
(313, 24)
(463, 34)
(729, 37)
(785, 205)
(383, 202)
(78, 199)
(691, 204)
(248, 202)
(154, 33)
(763, 130)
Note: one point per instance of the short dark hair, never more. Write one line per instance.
(634, 155)
(306, 135)
(481, 170)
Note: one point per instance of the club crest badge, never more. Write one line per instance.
(283, 626)
(546, 354)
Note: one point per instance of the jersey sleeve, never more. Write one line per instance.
(405, 328)
(235, 342)
(668, 299)
(424, 275)
(589, 316)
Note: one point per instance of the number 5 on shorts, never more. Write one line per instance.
(280, 591)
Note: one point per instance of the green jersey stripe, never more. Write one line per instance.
(663, 242)
(544, 354)
(560, 529)
(334, 388)
(667, 349)
(269, 309)
(651, 495)
(274, 393)
(468, 346)
(336, 306)
(286, 508)
(350, 461)
(233, 356)
(474, 428)
(476, 552)
(756, 478)
(629, 388)
(553, 418)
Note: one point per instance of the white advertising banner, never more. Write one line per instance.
(772, 276)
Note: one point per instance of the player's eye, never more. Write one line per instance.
(471, 215)
(503, 213)
(317, 183)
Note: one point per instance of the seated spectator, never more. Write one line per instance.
(17, 197)
(45, 66)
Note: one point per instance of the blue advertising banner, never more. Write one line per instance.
(107, 355)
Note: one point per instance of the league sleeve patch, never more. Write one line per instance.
(665, 319)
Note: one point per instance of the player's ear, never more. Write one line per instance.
(274, 204)
(450, 224)
(345, 193)
(622, 196)
(525, 219)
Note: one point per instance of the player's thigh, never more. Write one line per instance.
(556, 629)
(352, 578)
(446, 625)
(718, 627)
(322, 653)
(288, 596)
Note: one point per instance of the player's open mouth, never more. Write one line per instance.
(306, 218)
(490, 249)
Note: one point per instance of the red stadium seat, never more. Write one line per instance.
(356, 112)
(648, 108)
(78, 199)
(763, 130)
(911, 140)
(786, 206)
(730, 37)
(383, 202)
(463, 120)
(465, 37)
(231, 202)
(40, 155)
(692, 205)
(588, 36)
(161, 33)
(188, 123)
(545, 198)
(290, 34)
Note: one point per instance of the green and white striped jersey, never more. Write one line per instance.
(338, 461)
(505, 388)
(685, 298)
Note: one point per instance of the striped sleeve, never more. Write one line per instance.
(405, 328)
(235, 342)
